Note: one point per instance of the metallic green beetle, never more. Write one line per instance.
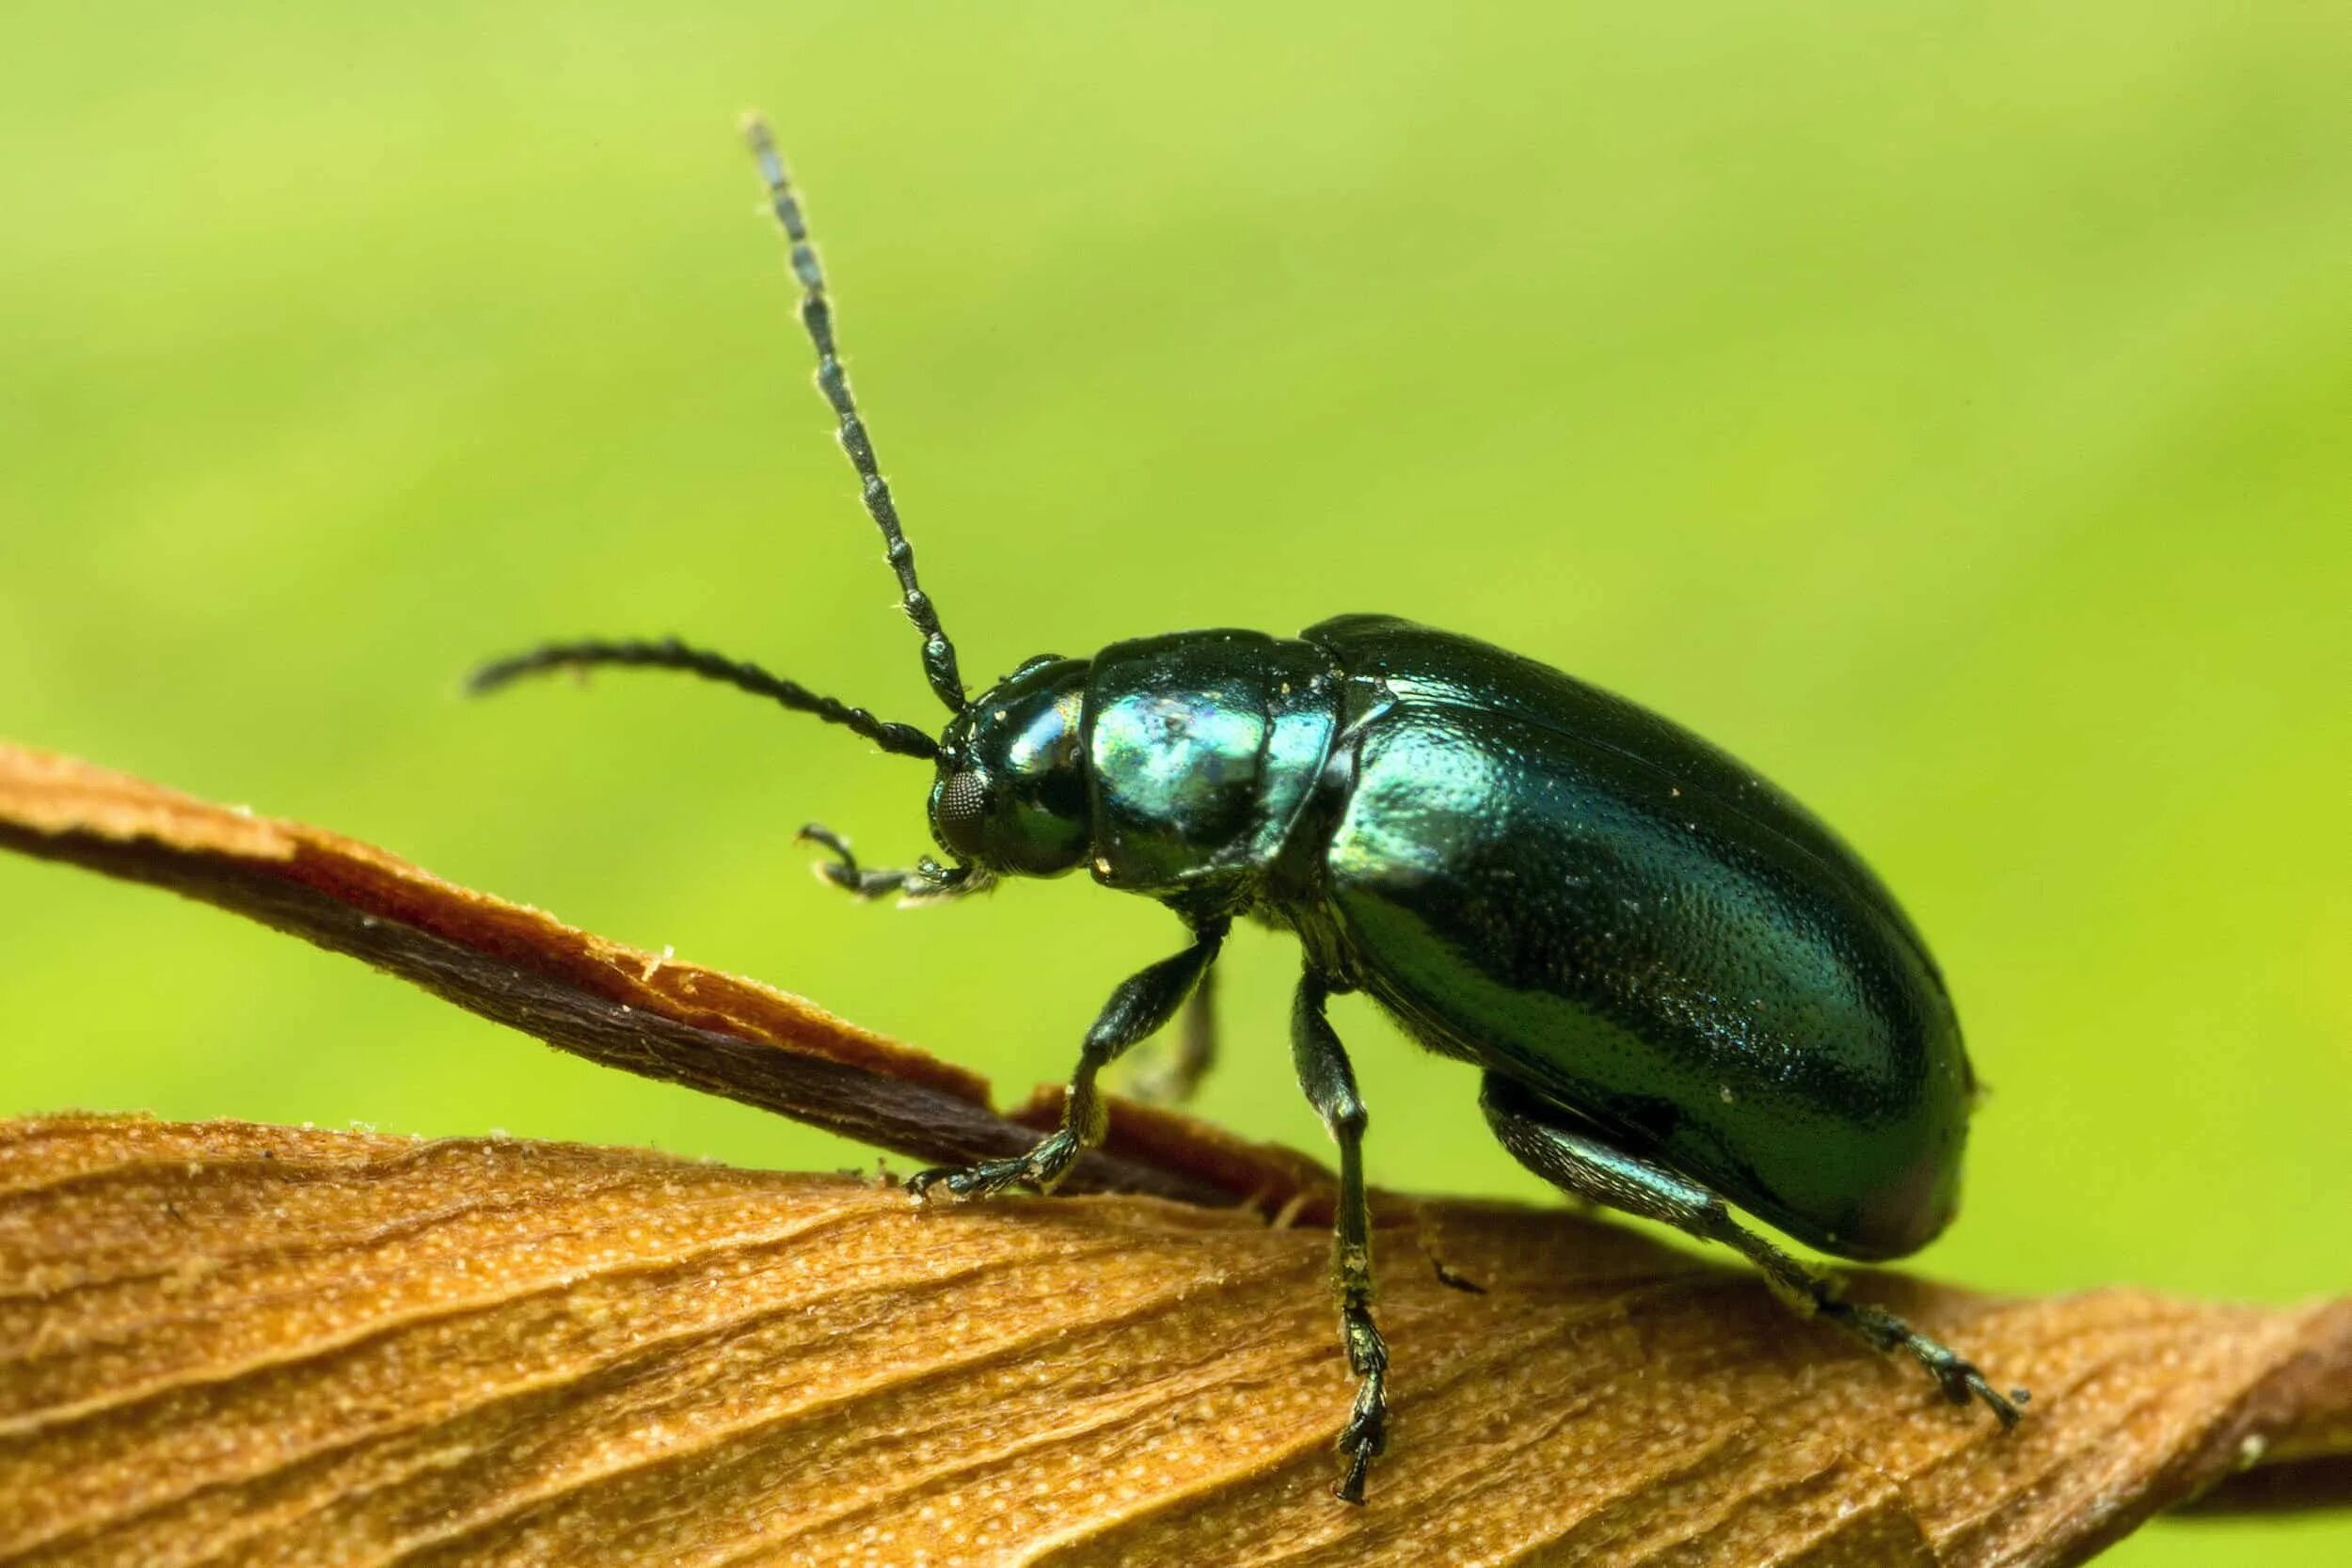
(1680, 987)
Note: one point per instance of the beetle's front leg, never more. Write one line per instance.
(1324, 1072)
(1142, 1003)
(1540, 1138)
(926, 880)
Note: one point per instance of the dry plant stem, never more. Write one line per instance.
(615, 1005)
(916, 1120)
(233, 1343)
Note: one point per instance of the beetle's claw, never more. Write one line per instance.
(817, 833)
(841, 868)
(1962, 1383)
(2004, 1407)
(1351, 1485)
(1366, 1433)
(1363, 1439)
(985, 1179)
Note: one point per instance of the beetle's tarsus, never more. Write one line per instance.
(1962, 1383)
(842, 870)
(925, 882)
(1958, 1378)
(1350, 1488)
(1366, 1435)
(1039, 1170)
(825, 838)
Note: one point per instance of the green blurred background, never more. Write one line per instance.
(1947, 411)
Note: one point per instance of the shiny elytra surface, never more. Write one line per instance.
(1549, 880)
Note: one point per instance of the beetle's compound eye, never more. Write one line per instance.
(959, 810)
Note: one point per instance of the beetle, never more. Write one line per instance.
(1683, 991)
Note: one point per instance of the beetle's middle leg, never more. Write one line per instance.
(1324, 1072)
(1171, 1079)
(1143, 1001)
(1548, 1142)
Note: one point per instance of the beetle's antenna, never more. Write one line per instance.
(669, 654)
(939, 654)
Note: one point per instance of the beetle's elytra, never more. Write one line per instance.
(1680, 987)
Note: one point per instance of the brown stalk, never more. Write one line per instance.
(230, 1342)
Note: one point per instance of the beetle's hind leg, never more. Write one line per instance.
(1324, 1072)
(1542, 1138)
(1143, 1001)
(1171, 1078)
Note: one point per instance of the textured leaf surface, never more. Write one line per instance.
(230, 1342)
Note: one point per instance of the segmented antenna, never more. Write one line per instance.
(939, 654)
(669, 654)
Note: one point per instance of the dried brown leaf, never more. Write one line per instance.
(233, 1343)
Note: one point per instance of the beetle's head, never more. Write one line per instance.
(1011, 797)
